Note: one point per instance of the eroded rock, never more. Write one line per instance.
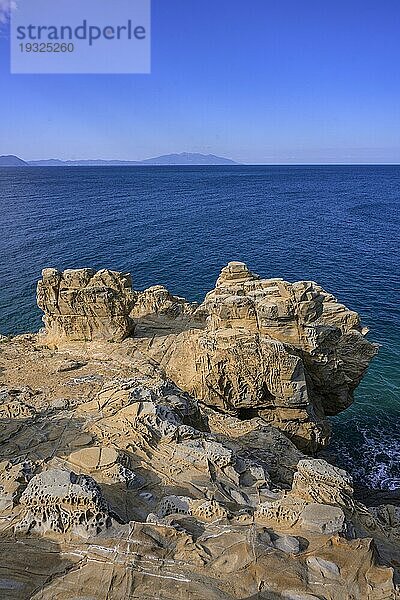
(13, 480)
(84, 305)
(158, 301)
(166, 469)
(62, 502)
(289, 352)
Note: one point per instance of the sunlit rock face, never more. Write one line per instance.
(288, 352)
(62, 502)
(158, 493)
(84, 305)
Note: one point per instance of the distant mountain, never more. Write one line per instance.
(185, 158)
(55, 162)
(52, 162)
(10, 160)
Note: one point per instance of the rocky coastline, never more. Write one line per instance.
(151, 447)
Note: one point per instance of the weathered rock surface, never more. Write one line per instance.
(60, 501)
(158, 301)
(288, 352)
(80, 304)
(163, 465)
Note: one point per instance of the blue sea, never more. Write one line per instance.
(337, 225)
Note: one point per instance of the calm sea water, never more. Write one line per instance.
(337, 225)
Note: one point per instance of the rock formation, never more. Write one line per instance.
(288, 352)
(158, 301)
(60, 501)
(152, 448)
(80, 304)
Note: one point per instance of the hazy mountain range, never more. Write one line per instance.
(185, 158)
(9, 160)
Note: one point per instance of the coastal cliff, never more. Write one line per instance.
(153, 447)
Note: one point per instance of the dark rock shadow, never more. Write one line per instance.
(374, 497)
(28, 565)
(152, 326)
(42, 436)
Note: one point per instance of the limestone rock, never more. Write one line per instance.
(287, 544)
(15, 404)
(385, 518)
(82, 305)
(13, 480)
(167, 434)
(62, 502)
(323, 568)
(316, 502)
(105, 465)
(70, 365)
(288, 352)
(157, 300)
(256, 438)
(205, 510)
(322, 518)
(167, 470)
(318, 481)
(244, 374)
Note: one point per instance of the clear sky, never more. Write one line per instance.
(260, 81)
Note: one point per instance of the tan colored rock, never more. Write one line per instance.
(257, 439)
(82, 305)
(322, 518)
(244, 374)
(160, 428)
(204, 510)
(157, 300)
(317, 502)
(13, 480)
(93, 458)
(62, 502)
(118, 484)
(290, 352)
(15, 404)
(318, 481)
(105, 465)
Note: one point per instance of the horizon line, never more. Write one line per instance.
(238, 164)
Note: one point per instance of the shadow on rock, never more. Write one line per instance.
(28, 565)
(42, 437)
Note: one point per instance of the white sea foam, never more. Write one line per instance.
(372, 455)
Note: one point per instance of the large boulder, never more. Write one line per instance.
(290, 353)
(84, 305)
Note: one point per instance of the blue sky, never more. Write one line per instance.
(262, 81)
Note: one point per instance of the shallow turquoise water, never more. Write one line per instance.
(337, 225)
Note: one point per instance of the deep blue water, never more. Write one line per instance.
(337, 225)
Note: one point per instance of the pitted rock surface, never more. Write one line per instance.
(290, 352)
(63, 502)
